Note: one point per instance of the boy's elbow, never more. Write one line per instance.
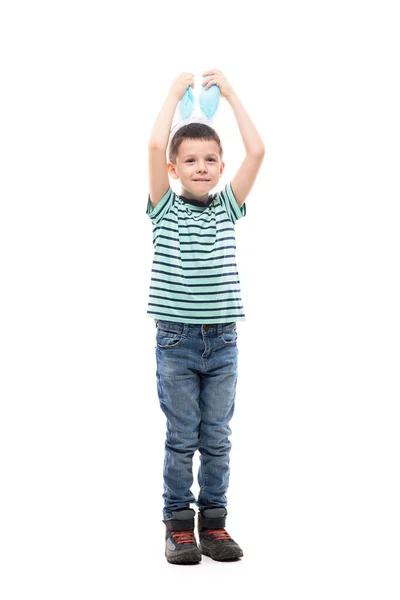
(258, 153)
(157, 144)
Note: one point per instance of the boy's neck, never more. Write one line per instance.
(189, 196)
(195, 202)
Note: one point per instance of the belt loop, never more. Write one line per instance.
(185, 329)
(219, 328)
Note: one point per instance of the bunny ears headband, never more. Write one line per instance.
(208, 102)
(202, 111)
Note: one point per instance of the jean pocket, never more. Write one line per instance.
(167, 339)
(229, 336)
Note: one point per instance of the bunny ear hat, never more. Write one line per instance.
(201, 111)
(208, 101)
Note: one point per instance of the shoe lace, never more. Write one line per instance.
(218, 534)
(183, 537)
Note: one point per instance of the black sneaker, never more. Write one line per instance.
(215, 541)
(180, 543)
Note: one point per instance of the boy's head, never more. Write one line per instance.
(193, 131)
(195, 157)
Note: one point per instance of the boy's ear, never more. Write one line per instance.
(221, 168)
(172, 170)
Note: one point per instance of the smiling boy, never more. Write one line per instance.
(196, 162)
(195, 301)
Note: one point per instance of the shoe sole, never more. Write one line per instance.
(227, 555)
(183, 559)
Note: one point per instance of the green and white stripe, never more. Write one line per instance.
(194, 275)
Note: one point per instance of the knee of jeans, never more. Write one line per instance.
(220, 450)
(218, 445)
(184, 443)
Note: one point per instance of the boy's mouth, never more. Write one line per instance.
(201, 179)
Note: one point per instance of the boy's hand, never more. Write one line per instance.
(216, 77)
(181, 84)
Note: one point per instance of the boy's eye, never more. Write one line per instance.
(212, 159)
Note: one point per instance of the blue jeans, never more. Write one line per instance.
(196, 383)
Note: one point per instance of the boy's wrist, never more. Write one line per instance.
(170, 103)
(173, 96)
(232, 97)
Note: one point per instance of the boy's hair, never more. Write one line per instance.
(192, 131)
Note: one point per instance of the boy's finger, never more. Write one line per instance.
(212, 72)
(210, 82)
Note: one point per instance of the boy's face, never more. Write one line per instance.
(198, 166)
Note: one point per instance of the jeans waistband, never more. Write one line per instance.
(194, 329)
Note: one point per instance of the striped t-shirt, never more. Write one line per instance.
(194, 277)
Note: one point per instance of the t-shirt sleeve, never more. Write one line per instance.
(229, 202)
(163, 207)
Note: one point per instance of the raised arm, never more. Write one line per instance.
(158, 172)
(255, 150)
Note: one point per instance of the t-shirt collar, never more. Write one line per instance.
(197, 202)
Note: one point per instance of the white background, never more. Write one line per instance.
(314, 496)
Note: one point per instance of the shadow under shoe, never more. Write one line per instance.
(215, 541)
(180, 543)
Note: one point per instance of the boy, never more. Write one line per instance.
(195, 301)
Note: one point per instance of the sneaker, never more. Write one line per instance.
(180, 543)
(215, 541)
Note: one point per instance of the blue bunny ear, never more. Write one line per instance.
(209, 100)
(186, 104)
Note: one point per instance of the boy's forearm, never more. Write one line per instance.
(252, 140)
(161, 129)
